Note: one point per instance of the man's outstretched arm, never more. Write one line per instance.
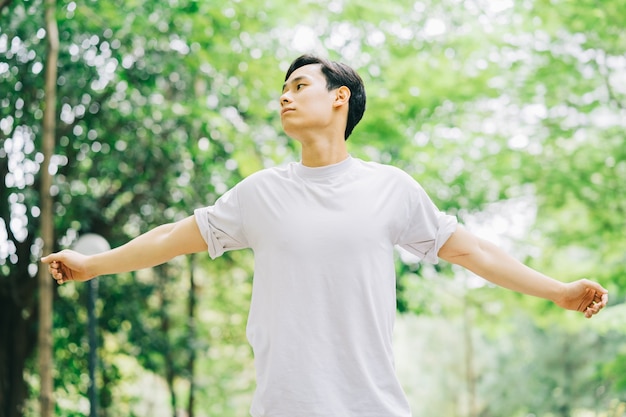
(492, 263)
(152, 248)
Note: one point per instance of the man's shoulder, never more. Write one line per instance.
(380, 168)
(275, 172)
(268, 176)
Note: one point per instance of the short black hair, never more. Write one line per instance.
(337, 75)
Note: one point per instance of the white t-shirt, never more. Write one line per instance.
(323, 297)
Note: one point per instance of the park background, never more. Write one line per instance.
(511, 114)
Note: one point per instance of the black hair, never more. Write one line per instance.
(337, 75)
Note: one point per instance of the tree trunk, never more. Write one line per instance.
(18, 316)
(170, 370)
(18, 341)
(191, 335)
(47, 227)
(470, 376)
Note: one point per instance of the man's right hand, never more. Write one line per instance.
(68, 265)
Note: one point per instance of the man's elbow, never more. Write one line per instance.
(460, 245)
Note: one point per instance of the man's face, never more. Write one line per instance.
(305, 102)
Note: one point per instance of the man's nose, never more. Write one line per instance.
(285, 98)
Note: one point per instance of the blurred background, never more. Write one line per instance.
(511, 114)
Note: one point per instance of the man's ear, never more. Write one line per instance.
(342, 96)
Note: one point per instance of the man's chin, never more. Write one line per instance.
(290, 131)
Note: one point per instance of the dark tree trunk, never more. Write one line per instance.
(19, 335)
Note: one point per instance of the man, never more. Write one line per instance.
(323, 232)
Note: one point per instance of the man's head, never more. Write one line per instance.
(337, 75)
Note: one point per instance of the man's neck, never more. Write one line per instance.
(322, 154)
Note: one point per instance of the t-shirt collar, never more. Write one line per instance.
(324, 171)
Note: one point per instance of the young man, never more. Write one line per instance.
(323, 232)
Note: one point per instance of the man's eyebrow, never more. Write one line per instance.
(295, 80)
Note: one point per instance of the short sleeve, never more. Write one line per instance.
(221, 224)
(427, 228)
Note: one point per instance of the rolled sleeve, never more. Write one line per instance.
(427, 250)
(221, 225)
(427, 228)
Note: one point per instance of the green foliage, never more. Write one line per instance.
(164, 106)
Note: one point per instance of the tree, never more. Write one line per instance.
(47, 232)
(18, 167)
(164, 108)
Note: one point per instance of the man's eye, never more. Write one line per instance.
(299, 86)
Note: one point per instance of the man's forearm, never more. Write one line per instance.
(500, 268)
(152, 248)
(495, 265)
